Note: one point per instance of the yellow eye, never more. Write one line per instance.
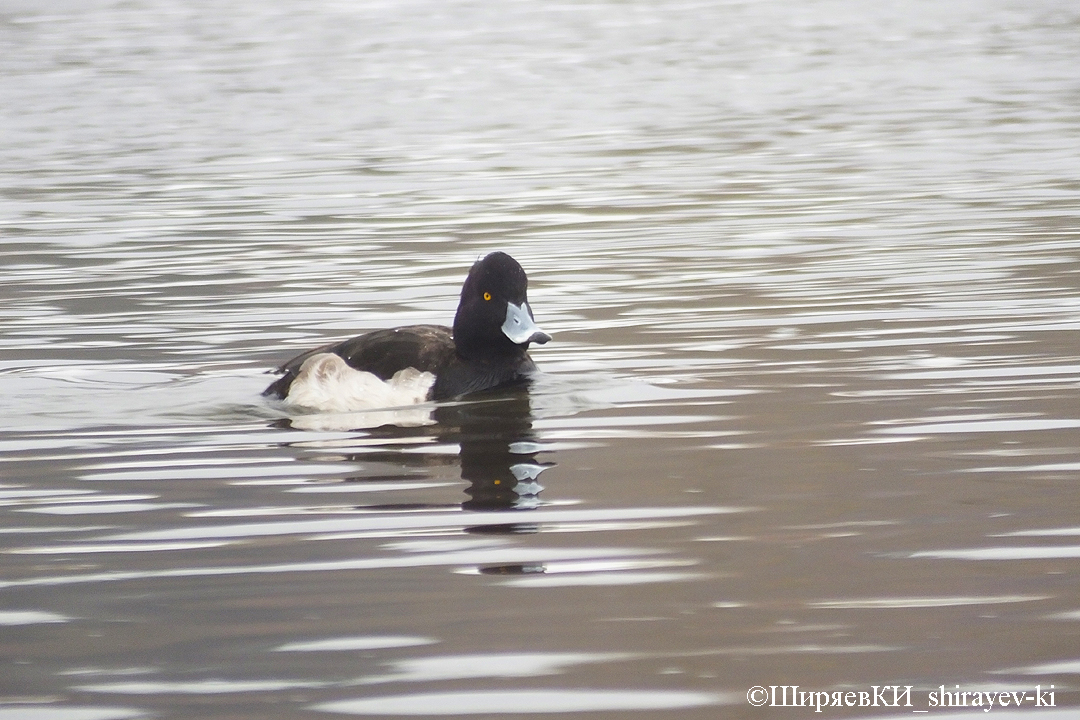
(487, 296)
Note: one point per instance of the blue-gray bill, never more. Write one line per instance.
(520, 327)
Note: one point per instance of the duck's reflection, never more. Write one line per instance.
(494, 431)
(498, 450)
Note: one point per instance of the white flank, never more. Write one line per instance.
(326, 383)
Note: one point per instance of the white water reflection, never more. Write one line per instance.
(115, 548)
(1065, 667)
(1047, 532)
(30, 617)
(1002, 553)
(104, 506)
(1067, 467)
(981, 425)
(353, 644)
(28, 711)
(922, 602)
(222, 469)
(496, 557)
(416, 521)
(497, 665)
(373, 487)
(196, 687)
(555, 577)
(519, 702)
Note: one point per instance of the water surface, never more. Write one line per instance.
(809, 416)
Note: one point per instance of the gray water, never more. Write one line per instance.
(809, 417)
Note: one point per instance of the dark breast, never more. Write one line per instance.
(461, 377)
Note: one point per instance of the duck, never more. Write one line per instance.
(486, 348)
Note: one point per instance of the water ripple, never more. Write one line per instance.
(516, 702)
